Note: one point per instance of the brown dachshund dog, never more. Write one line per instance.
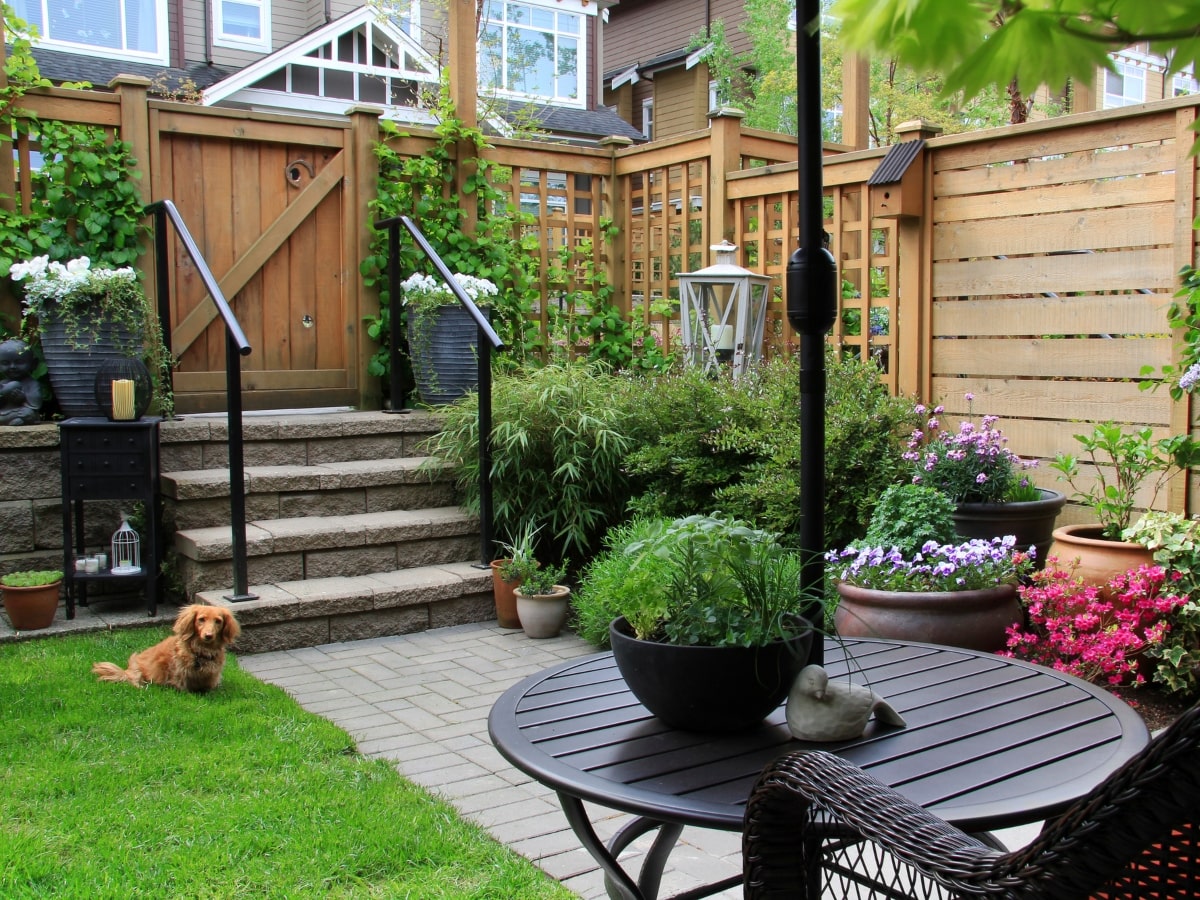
(189, 660)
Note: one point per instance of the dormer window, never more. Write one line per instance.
(535, 51)
(130, 29)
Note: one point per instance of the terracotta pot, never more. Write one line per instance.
(1100, 559)
(31, 608)
(708, 689)
(503, 592)
(1031, 521)
(543, 615)
(976, 619)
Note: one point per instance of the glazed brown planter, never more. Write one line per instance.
(31, 608)
(504, 593)
(1099, 559)
(976, 620)
(1030, 521)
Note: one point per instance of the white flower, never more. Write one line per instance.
(418, 287)
(35, 268)
(79, 266)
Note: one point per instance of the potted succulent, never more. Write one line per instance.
(31, 597)
(958, 594)
(442, 336)
(86, 317)
(1119, 465)
(988, 483)
(542, 599)
(703, 618)
(518, 557)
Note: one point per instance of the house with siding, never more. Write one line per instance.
(652, 77)
(539, 60)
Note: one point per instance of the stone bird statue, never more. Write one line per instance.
(822, 710)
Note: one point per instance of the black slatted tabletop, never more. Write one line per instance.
(989, 743)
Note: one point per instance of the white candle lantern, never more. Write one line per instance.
(723, 309)
(126, 551)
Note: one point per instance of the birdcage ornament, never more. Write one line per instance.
(126, 550)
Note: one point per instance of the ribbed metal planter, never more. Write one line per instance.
(73, 369)
(444, 344)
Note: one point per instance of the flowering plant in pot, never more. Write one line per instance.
(86, 316)
(962, 594)
(989, 483)
(542, 598)
(442, 336)
(703, 617)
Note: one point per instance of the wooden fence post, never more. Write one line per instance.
(725, 157)
(464, 94)
(133, 92)
(362, 186)
(1179, 489)
(914, 244)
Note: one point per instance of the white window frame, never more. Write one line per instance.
(47, 37)
(580, 10)
(1184, 82)
(1132, 76)
(648, 119)
(261, 44)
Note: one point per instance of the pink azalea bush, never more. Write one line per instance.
(1074, 631)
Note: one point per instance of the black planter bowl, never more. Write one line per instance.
(708, 689)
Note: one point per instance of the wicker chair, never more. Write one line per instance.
(817, 826)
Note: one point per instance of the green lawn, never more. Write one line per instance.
(107, 791)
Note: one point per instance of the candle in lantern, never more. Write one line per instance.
(722, 336)
(122, 399)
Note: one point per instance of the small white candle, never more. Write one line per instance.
(91, 565)
(102, 561)
(80, 564)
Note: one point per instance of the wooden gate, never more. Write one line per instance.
(267, 203)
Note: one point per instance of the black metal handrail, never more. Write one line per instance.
(236, 346)
(488, 340)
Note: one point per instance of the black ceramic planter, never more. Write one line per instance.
(712, 689)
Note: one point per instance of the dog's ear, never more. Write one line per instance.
(185, 622)
(230, 628)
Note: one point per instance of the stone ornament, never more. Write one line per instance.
(822, 710)
(20, 394)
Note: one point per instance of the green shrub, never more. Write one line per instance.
(558, 441)
(909, 515)
(714, 443)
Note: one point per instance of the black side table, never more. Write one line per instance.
(103, 460)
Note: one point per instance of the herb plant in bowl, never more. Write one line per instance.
(706, 628)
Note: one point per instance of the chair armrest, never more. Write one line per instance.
(805, 798)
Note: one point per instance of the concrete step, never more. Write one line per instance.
(316, 611)
(199, 498)
(314, 547)
(292, 439)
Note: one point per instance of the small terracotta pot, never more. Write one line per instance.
(506, 599)
(1100, 559)
(31, 608)
(976, 620)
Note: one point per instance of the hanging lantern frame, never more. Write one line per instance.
(723, 313)
(126, 551)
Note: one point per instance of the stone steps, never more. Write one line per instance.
(351, 531)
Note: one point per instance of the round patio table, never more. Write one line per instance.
(989, 743)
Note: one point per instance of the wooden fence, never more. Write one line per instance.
(1034, 274)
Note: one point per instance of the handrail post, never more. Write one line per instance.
(486, 513)
(237, 479)
(162, 278)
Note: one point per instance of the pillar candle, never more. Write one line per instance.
(122, 399)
